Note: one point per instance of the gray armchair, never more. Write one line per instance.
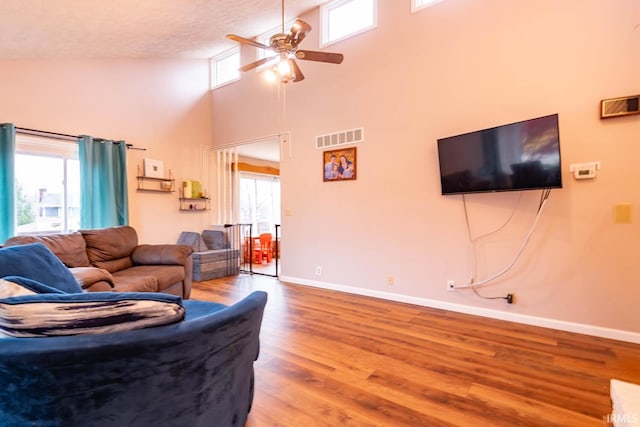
(215, 253)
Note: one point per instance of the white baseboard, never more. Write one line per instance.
(579, 328)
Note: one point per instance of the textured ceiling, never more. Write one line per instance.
(77, 29)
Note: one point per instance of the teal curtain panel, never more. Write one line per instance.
(7, 181)
(103, 183)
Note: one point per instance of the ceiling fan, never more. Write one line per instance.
(285, 46)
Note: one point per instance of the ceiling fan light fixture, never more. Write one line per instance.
(280, 72)
(271, 75)
(282, 66)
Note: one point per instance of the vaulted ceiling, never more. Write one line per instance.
(79, 29)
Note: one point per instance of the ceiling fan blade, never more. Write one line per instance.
(298, 31)
(298, 76)
(244, 40)
(256, 64)
(311, 55)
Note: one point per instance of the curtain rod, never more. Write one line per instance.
(65, 136)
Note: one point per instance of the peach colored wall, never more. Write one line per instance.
(161, 105)
(459, 66)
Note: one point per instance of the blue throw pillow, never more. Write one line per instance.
(35, 261)
(59, 314)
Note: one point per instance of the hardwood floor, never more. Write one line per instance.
(334, 359)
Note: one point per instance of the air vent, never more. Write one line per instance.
(344, 137)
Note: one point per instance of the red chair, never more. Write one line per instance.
(247, 249)
(262, 248)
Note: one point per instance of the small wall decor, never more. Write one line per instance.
(617, 107)
(339, 165)
(153, 168)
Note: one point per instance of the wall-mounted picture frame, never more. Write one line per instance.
(340, 164)
(153, 168)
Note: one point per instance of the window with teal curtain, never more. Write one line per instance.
(7, 181)
(103, 183)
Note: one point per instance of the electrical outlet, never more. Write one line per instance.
(318, 270)
(390, 280)
(510, 298)
(451, 285)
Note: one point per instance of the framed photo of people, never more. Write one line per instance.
(339, 164)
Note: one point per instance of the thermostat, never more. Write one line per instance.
(584, 170)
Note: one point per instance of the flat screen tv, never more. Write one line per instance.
(518, 156)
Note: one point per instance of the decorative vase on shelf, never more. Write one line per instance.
(187, 191)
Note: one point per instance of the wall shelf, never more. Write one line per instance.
(195, 205)
(155, 185)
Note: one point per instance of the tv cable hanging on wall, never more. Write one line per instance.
(473, 283)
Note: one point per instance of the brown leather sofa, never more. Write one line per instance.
(110, 259)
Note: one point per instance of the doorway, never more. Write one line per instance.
(260, 206)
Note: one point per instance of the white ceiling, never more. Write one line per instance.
(105, 29)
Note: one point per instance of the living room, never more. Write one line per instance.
(463, 67)
(454, 67)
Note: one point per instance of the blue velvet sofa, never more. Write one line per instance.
(197, 371)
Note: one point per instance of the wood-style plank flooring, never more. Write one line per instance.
(334, 359)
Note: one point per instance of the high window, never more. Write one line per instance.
(344, 18)
(224, 68)
(421, 4)
(47, 175)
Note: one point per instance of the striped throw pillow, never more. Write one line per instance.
(58, 314)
